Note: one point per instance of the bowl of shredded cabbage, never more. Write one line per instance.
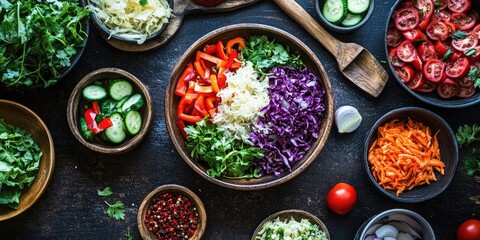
(134, 21)
(249, 106)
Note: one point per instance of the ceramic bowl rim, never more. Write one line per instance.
(342, 29)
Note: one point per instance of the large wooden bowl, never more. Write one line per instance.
(74, 113)
(24, 118)
(295, 45)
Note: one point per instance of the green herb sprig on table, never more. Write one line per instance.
(37, 40)
(266, 54)
(116, 210)
(226, 157)
(106, 192)
(19, 161)
(466, 135)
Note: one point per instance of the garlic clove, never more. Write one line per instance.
(347, 119)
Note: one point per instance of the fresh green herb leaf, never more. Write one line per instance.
(116, 210)
(447, 54)
(467, 134)
(459, 34)
(128, 235)
(472, 162)
(226, 157)
(437, 4)
(143, 2)
(471, 52)
(473, 73)
(19, 161)
(383, 61)
(106, 192)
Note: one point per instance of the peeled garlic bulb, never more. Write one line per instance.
(347, 119)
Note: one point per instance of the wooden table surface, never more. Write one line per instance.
(71, 209)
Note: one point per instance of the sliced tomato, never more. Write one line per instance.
(433, 70)
(437, 30)
(417, 81)
(394, 60)
(452, 28)
(464, 21)
(425, 9)
(466, 43)
(459, 6)
(394, 36)
(406, 51)
(448, 88)
(426, 87)
(466, 92)
(405, 73)
(473, 55)
(426, 51)
(417, 63)
(465, 81)
(440, 4)
(458, 68)
(414, 35)
(442, 15)
(441, 48)
(406, 18)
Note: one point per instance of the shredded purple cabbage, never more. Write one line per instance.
(291, 121)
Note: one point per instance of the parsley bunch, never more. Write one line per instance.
(37, 40)
(226, 157)
(466, 135)
(266, 54)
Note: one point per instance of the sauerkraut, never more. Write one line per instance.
(131, 20)
(290, 230)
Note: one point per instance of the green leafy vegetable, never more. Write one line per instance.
(472, 162)
(116, 210)
(128, 235)
(106, 192)
(226, 157)
(471, 52)
(467, 134)
(19, 161)
(447, 54)
(266, 54)
(143, 2)
(459, 34)
(37, 40)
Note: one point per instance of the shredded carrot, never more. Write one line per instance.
(405, 155)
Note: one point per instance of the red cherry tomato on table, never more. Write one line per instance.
(469, 230)
(406, 18)
(433, 70)
(406, 51)
(459, 6)
(448, 88)
(342, 198)
(466, 43)
(458, 68)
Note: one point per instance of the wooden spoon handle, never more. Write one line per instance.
(295, 11)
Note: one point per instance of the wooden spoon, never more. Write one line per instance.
(355, 63)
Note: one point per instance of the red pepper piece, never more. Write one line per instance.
(186, 76)
(181, 126)
(199, 69)
(183, 115)
(90, 118)
(105, 123)
(214, 82)
(221, 79)
(231, 57)
(236, 41)
(200, 106)
(210, 49)
(96, 108)
(221, 51)
(219, 62)
(235, 65)
(210, 102)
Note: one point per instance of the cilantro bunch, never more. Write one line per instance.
(466, 135)
(226, 157)
(19, 160)
(37, 40)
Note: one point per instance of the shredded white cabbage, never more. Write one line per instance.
(241, 102)
(130, 20)
(290, 230)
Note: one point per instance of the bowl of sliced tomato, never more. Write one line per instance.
(434, 50)
(248, 106)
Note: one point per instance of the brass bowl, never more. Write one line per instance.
(308, 58)
(171, 188)
(74, 106)
(24, 118)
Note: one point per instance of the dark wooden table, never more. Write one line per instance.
(71, 209)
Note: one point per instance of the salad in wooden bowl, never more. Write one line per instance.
(249, 106)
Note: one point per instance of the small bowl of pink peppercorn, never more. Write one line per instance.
(172, 212)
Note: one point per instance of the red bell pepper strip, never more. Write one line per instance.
(186, 117)
(221, 51)
(199, 69)
(231, 57)
(213, 81)
(210, 49)
(105, 123)
(209, 102)
(95, 107)
(200, 106)
(232, 42)
(92, 124)
(235, 65)
(221, 79)
(186, 76)
(181, 126)
(219, 62)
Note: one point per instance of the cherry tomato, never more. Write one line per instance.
(452, 28)
(209, 3)
(441, 48)
(476, 31)
(459, 6)
(465, 44)
(394, 36)
(417, 81)
(464, 21)
(426, 87)
(437, 30)
(342, 198)
(448, 88)
(426, 51)
(455, 55)
(442, 15)
(406, 51)
(433, 70)
(417, 63)
(414, 35)
(406, 18)
(466, 92)
(425, 9)
(469, 230)
(458, 68)
(405, 73)
(394, 60)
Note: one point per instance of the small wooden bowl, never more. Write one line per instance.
(448, 150)
(318, 4)
(280, 36)
(74, 114)
(24, 118)
(297, 215)
(171, 188)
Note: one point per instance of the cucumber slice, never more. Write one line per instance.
(351, 20)
(335, 10)
(120, 88)
(358, 6)
(115, 133)
(134, 102)
(119, 104)
(94, 93)
(133, 122)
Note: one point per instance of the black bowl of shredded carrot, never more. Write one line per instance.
(411, 154)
